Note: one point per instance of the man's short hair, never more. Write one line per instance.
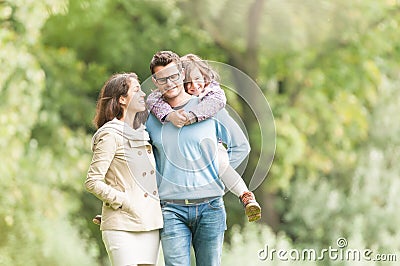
(163, 58)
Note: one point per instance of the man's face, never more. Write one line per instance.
(169, 80)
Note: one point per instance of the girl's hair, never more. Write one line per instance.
(108, 105)
(192, 61)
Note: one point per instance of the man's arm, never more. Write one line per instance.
(231, 134)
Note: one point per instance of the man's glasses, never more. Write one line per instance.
(173, 77)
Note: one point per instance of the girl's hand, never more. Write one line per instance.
(178, 118)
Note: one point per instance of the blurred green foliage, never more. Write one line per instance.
(329, 70)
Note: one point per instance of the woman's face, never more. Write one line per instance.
(135, 98)
(196, 82)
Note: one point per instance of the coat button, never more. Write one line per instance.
(144, 174)
(146, 194)
(152, 172)
(139, 152)
(148, 151)
(154, 192)
(108, 204)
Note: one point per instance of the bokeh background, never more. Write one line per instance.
(329, 70)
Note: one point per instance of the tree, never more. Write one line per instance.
(362, 214)
(319, 74)
(321, 66)
(34, 223)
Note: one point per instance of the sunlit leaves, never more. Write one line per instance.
(35, 206)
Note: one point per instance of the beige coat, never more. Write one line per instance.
(122, 174)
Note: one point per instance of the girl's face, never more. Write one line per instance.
(196, 82)
(135, 97)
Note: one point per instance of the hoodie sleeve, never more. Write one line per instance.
(232, 135)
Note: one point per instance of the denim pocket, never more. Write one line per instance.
(216, 204)
(163, 204)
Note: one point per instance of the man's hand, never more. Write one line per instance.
(178, 118)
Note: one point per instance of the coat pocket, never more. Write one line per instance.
(129, 205)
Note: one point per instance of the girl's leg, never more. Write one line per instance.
(232, 180)
(235, 183)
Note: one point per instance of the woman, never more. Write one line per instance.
(122, 174)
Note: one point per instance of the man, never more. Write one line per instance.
(189, 188)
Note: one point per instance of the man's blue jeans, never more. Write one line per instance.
(202, 225)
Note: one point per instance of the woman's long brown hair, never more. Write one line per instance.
(108, 105)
